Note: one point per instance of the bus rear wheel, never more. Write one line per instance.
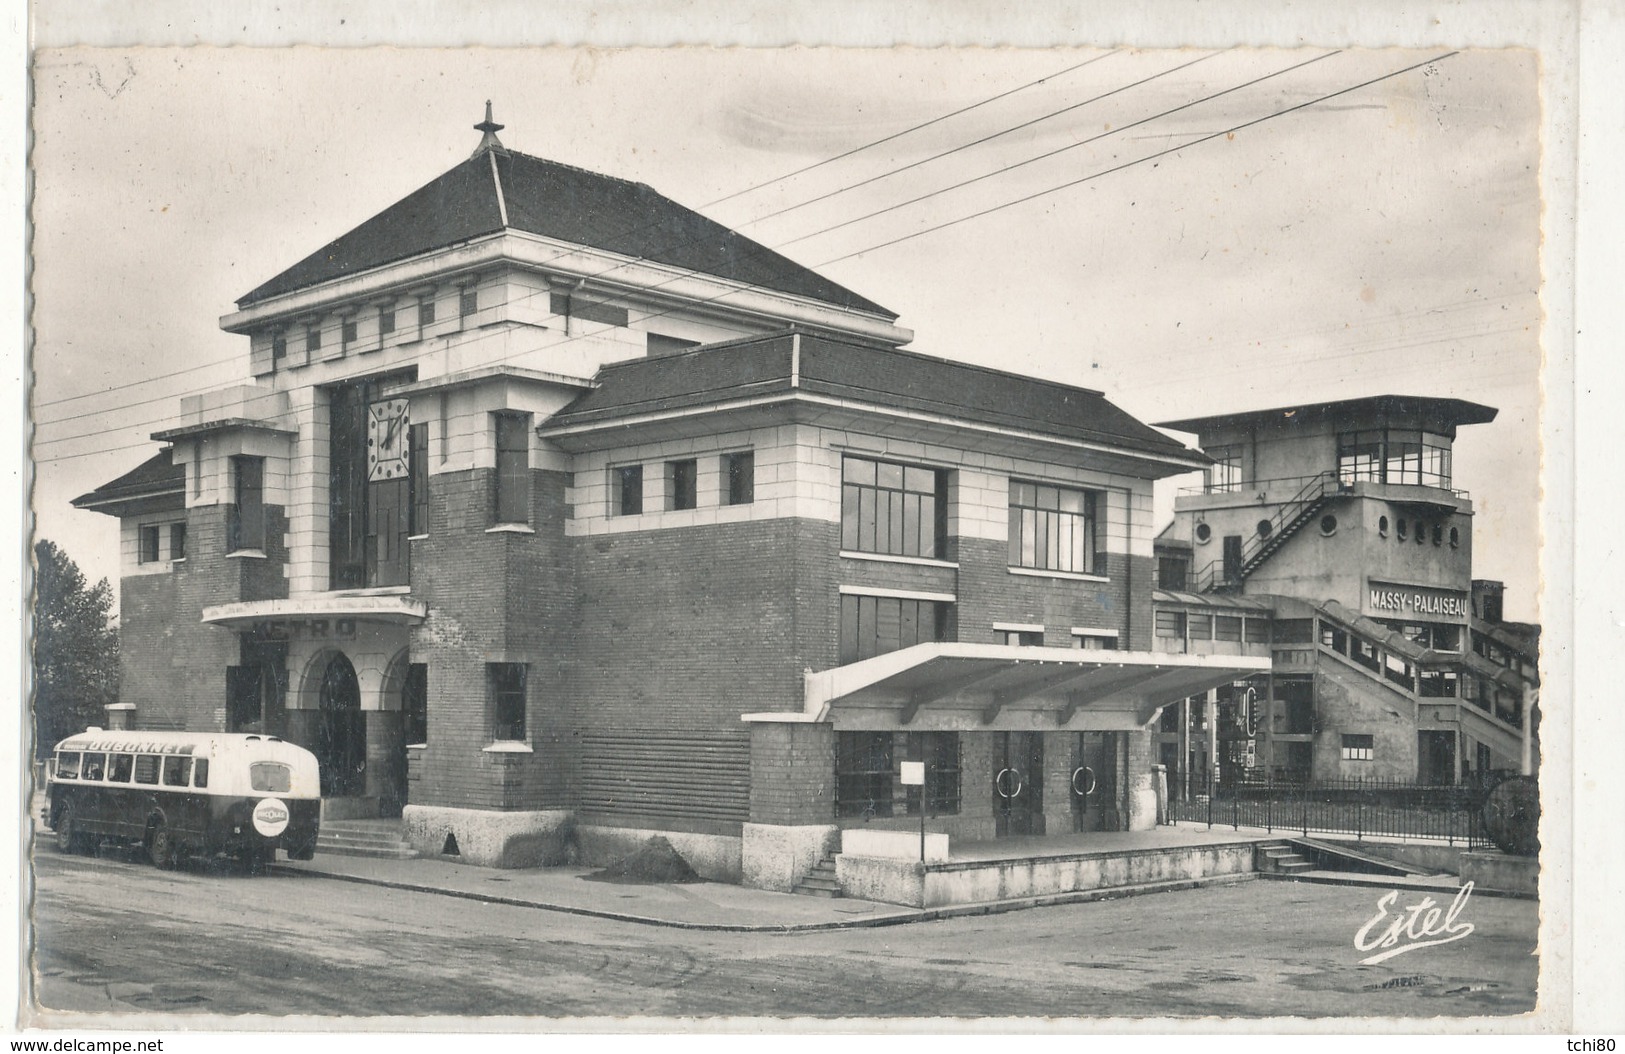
(162, 847)
(69, 839)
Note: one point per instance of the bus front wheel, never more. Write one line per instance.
(69, 839)
(162, 847)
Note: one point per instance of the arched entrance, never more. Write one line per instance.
(341, 731)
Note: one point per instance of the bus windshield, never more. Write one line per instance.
(270, 776)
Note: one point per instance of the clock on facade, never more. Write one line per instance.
(386, 440)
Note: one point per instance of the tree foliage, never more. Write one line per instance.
(75, 648)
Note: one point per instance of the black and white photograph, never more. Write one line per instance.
(652, 538)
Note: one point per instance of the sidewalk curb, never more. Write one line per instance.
(901, 915)
(1367, 881)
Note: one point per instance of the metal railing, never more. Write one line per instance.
(1364, 808)
(1286, 516)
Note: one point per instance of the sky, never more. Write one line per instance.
(1194, 238)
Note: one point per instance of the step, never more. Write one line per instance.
(809, 891)
(389, 852)
(1294, 867)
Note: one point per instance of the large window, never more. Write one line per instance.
(513, 468)
(505, 683)
(891, 508)
(1053, 528)
(1225, 472)
(1394, 456)
(863, 774)
(867, 773)
(245, 525)
(1296, 698)
(417, 456)
(873, 626)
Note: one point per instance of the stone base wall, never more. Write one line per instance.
(489, 838)
(715, 857)
(777, 856)
(1501, 872)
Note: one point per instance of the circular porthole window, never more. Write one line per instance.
(1328, 525)
(1438, 534)
(1421, 532)
(1265, 528)
(1401, 530)
(1455, 538)
(1382, 526)
(1203, 533)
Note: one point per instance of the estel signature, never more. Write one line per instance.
(1410, 928)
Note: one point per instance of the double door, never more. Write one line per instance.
(1018, 783)
(1094, 782)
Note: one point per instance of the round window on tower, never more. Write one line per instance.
(1203, 533)
(1382, 526)
(1400, 531)
(1328, 525)
(1265, 528)
(1438, 534)
(1455, 538)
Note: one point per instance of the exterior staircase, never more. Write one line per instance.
(820, 881)
(375, 838)
(1280, 858)
(1288, 520)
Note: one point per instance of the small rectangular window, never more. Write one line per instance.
(313, 339)
(177, 770)
(1199, 627)
(347, 332)
(426, 312)
(1023, 638)
(626, 482)
(1226, 627)
(1094, 642)
(386, 321)
(95, 766)
(67, 765)
(148, 553)
(279, 348)
(177, 541)
(681, 477)
(513, 468)
(587, 310)
(200, 772)
(146, 768)
(245, 527)
(1359, 748)
(468, 302)
(505, 682)
(120, 766)
(1257, 631)
(1294, 631)
(270, 777)
(740, 470)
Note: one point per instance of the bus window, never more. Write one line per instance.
(200, 772)
(269, 776)
(119, 768)
(95, 765)
(177, 769)
(67, 765)
(146, 768)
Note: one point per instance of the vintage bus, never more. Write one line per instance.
(183, 793)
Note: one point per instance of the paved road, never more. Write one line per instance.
(119, 935)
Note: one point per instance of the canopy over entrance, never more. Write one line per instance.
(970, 686)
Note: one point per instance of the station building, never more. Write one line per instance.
(555, 515)
(1331, 539)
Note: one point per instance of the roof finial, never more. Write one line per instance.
(490, 140)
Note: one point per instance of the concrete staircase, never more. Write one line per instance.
(820, 881)
(375, 838)
(1280, 858)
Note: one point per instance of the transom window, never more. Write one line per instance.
(891, 508)
(1053, 528)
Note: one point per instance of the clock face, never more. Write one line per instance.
(386, 440)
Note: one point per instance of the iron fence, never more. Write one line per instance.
(1363, 808)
